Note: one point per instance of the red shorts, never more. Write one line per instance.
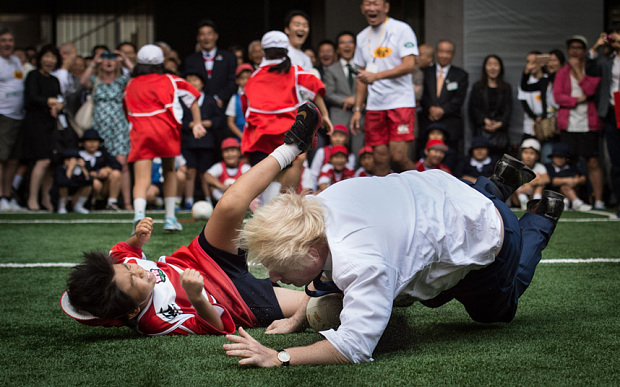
(383, 126)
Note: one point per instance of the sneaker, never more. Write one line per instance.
(112, 207)
(303, 131)
(15, 206)
(80, 210)
(579, 205)
(599, 205)
(171, 224)
(4, 205)
(187, 206)
(62, 211)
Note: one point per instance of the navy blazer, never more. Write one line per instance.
(222, 83)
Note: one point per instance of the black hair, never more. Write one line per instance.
(327, 41)
(343, 33)
(196, 74)
(49, 48)
(534, 52)
(291, 14)
(501, 84)
(97, 47)
(146, 69)
(91, 288)
(126, 43)
(5, 30)
(277, 53)
(206, 23)
(559, 54)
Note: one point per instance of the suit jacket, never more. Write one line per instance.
(222, 83)
(451, 101)
(336, 90)
(601, 67)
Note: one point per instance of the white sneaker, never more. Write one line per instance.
(579, 205)
(62, 211)
(599, 205)
(15, 206)
(80, 210)
(4, 205)
(171, 224)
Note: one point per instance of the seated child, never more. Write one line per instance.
(434, 152)
(478, 163)
(530, 154)
(72, 178)
(336, 170)
(339, 137)
(199, 153)
(367, 162)
(221, 175)
(564, 177)
(103, 168)
(437, 131)
(234, 112)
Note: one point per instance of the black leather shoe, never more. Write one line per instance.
(550, 206)
(510, 174)
(303, 130)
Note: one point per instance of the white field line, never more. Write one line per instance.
(68, 264)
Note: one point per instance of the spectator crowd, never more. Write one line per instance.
(390, 105)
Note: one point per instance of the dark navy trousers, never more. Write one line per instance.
(492, 293)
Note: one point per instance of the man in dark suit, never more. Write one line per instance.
(216, 66)
(339, 79)
(445, 89)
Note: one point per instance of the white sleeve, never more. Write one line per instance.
(407, 41)
(231, 109)
(245, 168)
(367, 304)
(315, 167)
(351, 163)
(215, 170)
(324, 179)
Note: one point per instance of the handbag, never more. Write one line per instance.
(545, 129)
(84, 116)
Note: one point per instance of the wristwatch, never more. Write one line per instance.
(284, 358)
(357, 109)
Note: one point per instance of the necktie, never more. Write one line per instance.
(208, 64)
(440, 80)
(351, 78)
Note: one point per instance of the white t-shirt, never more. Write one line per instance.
(216, 171)
(407, 236)
(11, 88)
(578, 116)
(534, 101)
(392, 40)
(300, 58)
(231, 108)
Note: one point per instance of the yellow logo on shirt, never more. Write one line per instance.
(18, 74)
(382, 52)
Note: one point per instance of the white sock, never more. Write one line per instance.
(112, 200)
(139, 208)
(271, 192)
(537, 196)
(599, 203)
(285, 154)
(189, 201)
(523, 198)
(81, 200)
(169, 203)
(62, 203)
(17, 181)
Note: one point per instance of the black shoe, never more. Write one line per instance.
(550, 206)
(510, 174)
(303, 130)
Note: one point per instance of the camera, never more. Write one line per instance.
(109, 55)
(609, 39)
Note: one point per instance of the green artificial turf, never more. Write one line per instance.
(566, 331)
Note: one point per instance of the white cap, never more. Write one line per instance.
(150, 55)
(531, 143)
(274, 39)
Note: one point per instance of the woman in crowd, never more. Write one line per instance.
(108, 82)
(490, 105)
(43, 103)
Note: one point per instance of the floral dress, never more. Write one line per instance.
(109, 118)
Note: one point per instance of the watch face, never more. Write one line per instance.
(284, 356)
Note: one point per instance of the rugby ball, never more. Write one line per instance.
(323, 313)
(202, 210)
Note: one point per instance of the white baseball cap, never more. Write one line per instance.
(150, 54)
(531, 143)
(274, 39)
